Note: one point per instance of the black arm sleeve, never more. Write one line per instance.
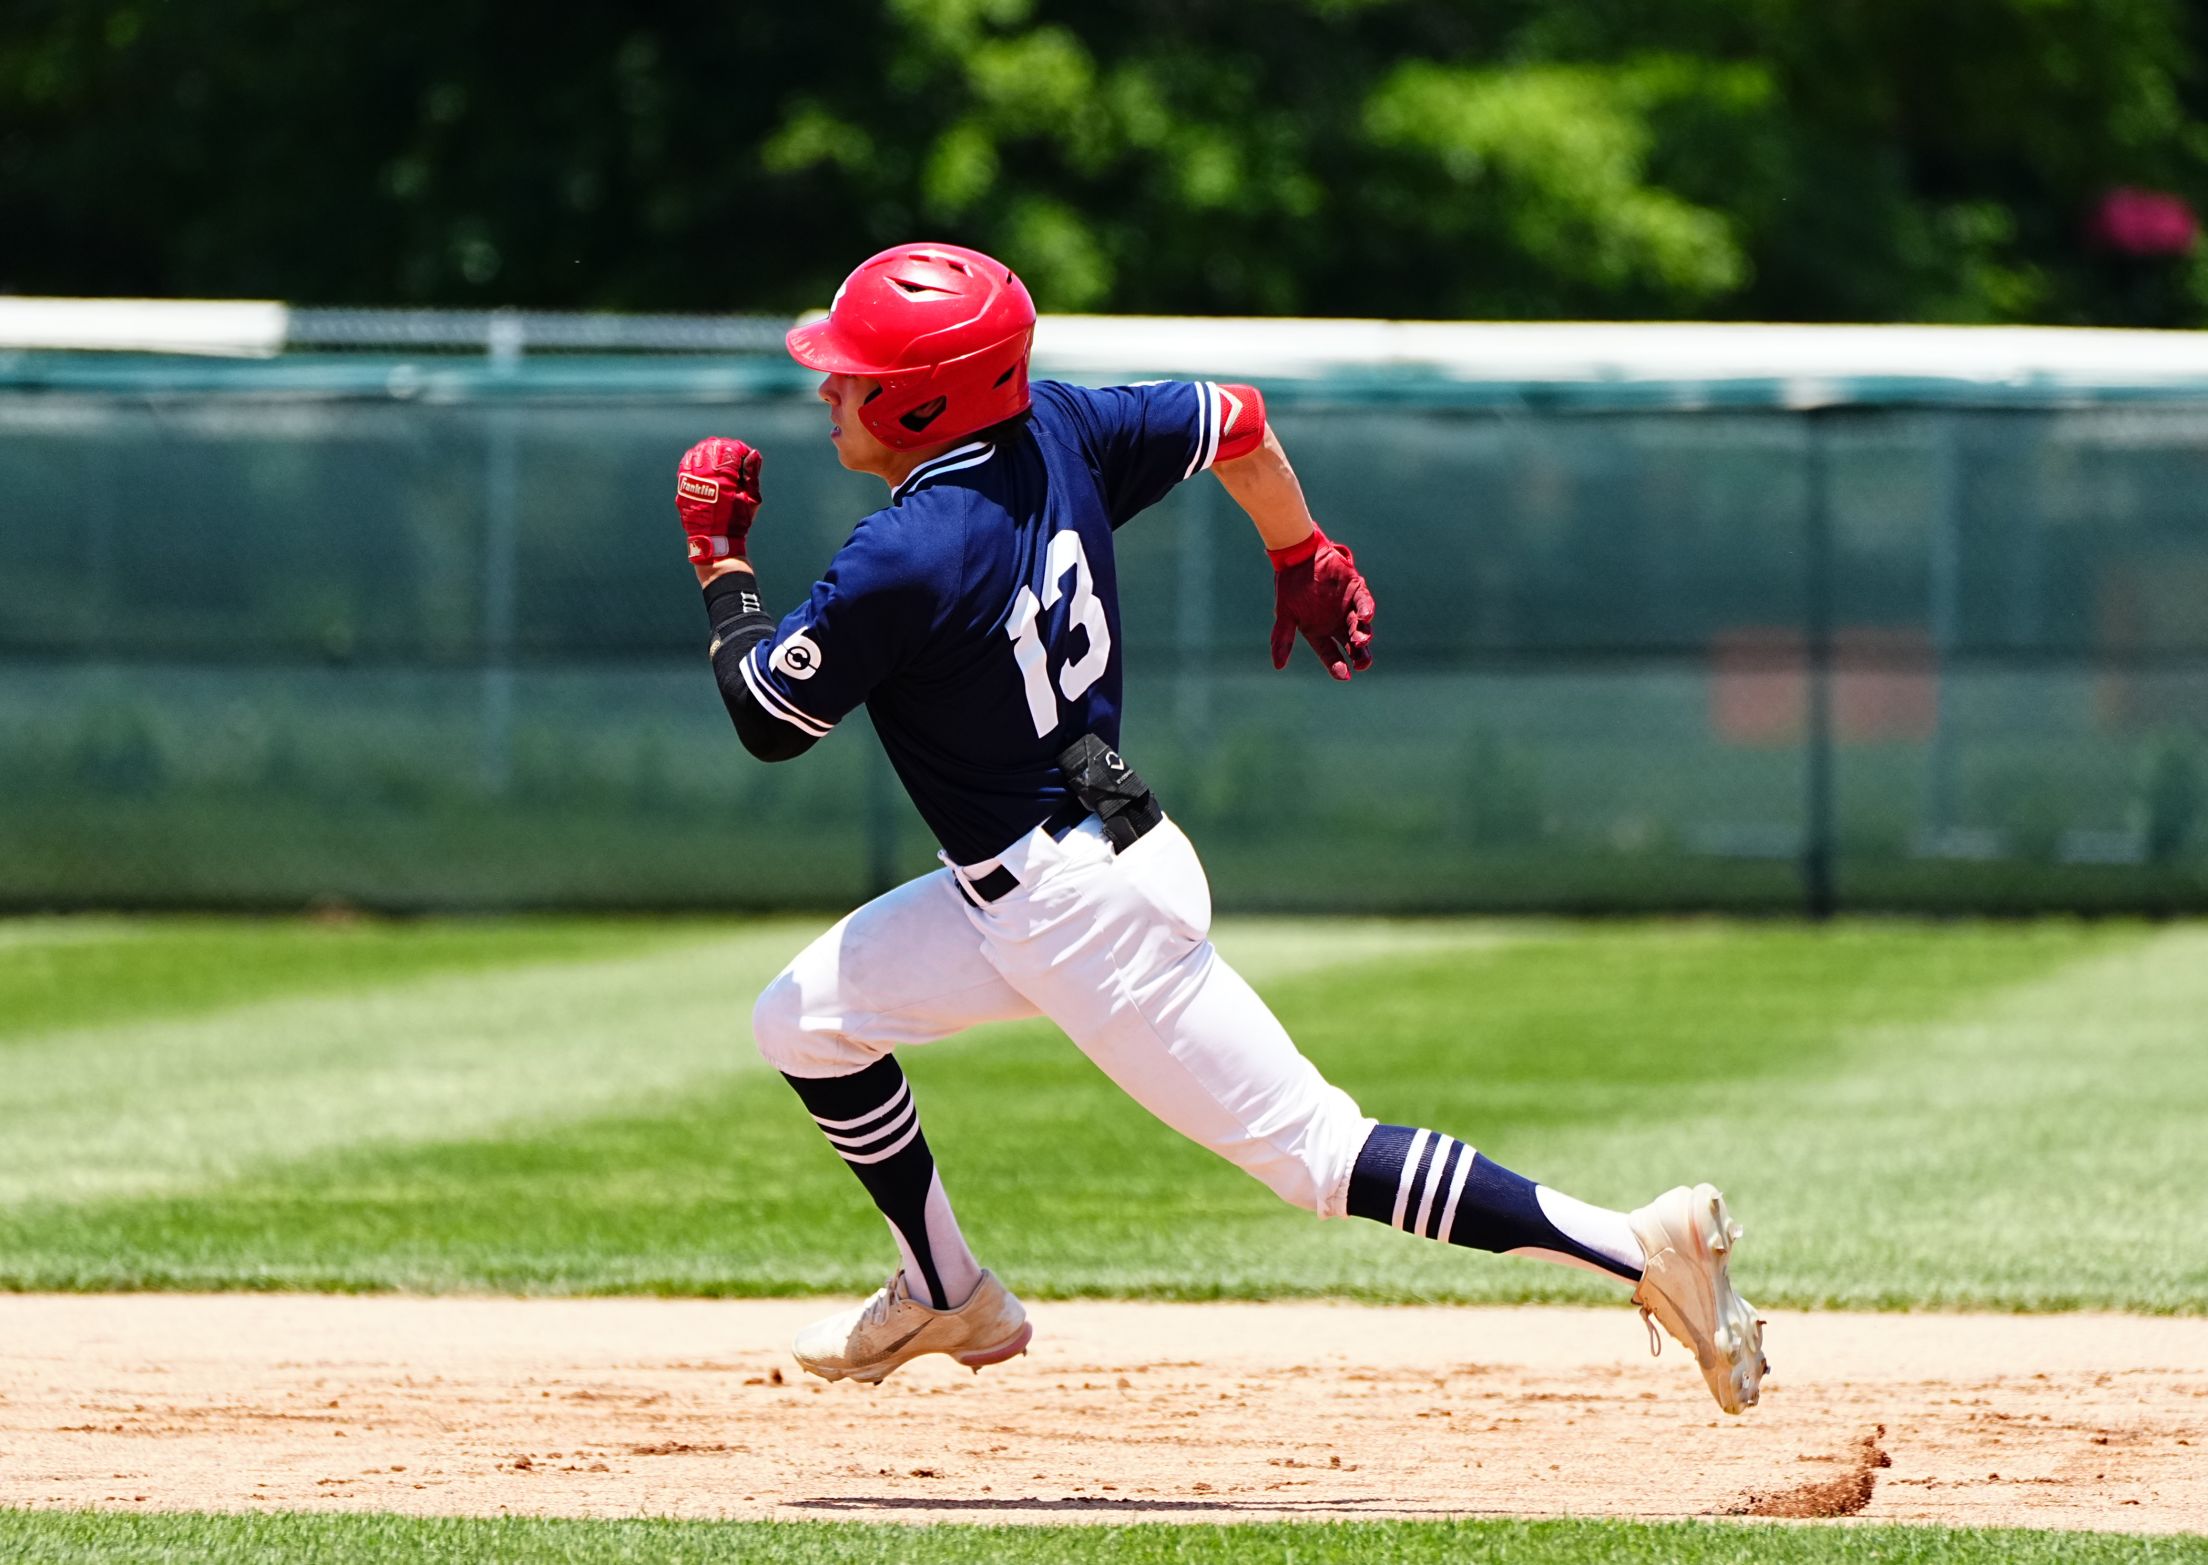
(739, 624)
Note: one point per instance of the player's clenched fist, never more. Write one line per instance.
(717, 493)
(1318, 592)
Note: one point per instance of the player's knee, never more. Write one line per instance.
(796, 1040)
(778, 1026)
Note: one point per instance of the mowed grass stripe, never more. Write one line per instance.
(157, 1103)
(1661, 1054)
(27, 934)
(2038, 1149)
(70, 1537)
(667, 1169)
(58, 973)
(61, 973)
(1611, 1060)
(414, 1034)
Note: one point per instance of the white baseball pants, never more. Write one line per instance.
(1115, 949)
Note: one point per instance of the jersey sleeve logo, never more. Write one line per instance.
(796, 658)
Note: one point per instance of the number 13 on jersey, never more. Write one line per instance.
(1085, 612)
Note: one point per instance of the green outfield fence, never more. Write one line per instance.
(413, 630)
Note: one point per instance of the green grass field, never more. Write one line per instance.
(68, 1537)
(574, 1106)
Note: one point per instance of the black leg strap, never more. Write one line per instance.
(1103, 785)
(1103, 782)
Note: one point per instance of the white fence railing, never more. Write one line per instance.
(1811, 362)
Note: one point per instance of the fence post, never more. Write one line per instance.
(501, 478)
(1945, 616)
(1818, 894)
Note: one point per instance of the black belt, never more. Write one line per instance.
(1103, 785)
(1001, 880)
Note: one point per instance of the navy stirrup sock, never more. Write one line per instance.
(1436, 1186)
(874, 1125)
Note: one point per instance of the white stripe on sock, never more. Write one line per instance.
(1410, 1171)
(887, 1152)
(1456, 1189)
(904, 1091)
(849, 1144)
(1442, 1144)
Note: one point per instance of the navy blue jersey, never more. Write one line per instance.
(977, 614)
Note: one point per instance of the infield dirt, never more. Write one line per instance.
(621, 1407)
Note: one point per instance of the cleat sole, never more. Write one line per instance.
(1011, 1347)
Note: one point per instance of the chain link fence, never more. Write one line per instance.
(413, 631)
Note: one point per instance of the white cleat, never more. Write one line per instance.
(867, 1342)
(1687, 1239)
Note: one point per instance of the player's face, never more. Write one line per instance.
(856, 447)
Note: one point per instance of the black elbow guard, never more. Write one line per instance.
(766, 736)
(739, 624)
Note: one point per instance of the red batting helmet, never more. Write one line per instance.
(945, 329)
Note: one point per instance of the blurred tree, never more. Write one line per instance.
(1781, 159)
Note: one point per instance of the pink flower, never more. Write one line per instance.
(2144, 223)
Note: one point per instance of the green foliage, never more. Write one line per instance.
(81, 1537)
(1550, 162)
(1783, 160)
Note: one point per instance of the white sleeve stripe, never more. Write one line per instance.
(1215, 423)
(781, 705)
(1206, 412)
(772, 704)
(766, 696)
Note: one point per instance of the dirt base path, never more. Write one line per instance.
(1122, 1412)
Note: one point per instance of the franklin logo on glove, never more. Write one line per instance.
(717, 495)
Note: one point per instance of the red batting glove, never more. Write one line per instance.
(1317, 591)
(717, 492)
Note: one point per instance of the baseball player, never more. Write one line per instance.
(976, 617)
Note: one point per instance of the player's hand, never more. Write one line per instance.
(1322, 596)
(717, 494)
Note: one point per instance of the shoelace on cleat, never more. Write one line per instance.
(1655, 1337)
(884, 1300)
